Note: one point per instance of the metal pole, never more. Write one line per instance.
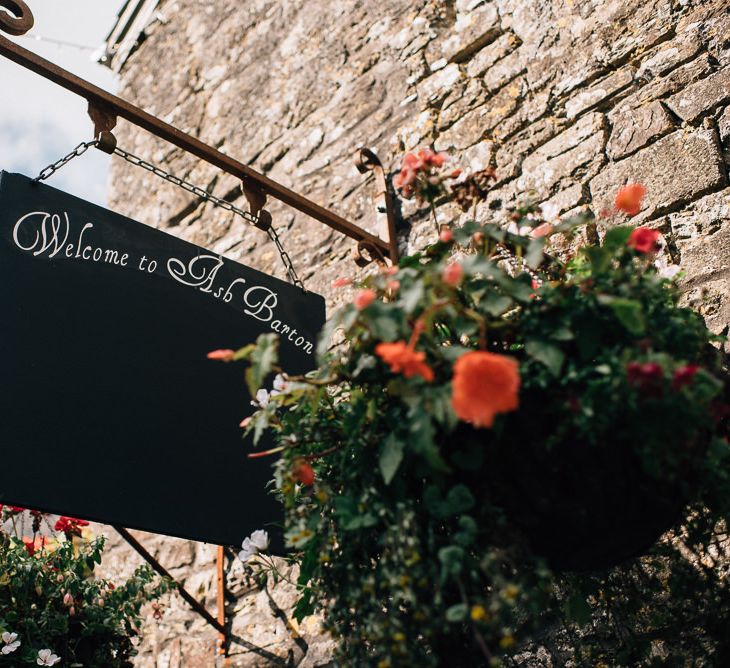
(159, 568)
(117, 106)
(221, 598)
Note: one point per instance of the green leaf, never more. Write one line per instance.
(457, 613)
(617, 237)
(577, 609)
(451, 559)
(534, 254)
(263, 359)
(627, 311)
(496, 304)
(459, 499)
(551, 356)
(600, 258)
(391, 455)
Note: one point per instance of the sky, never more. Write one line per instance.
(40, 121)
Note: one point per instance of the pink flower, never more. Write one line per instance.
(390, 271)
(452, 274)
(393, 286)
(245, 422)
(341, 282)
(223, 355)
(544, 230)
(644, 240)
(446, 235)
(364, 298)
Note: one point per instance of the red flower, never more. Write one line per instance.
(29, 544)
(70, 526)
(224, 355)
(646, 377)
(402, 358)
(341, 282)
(484, 385)
(628, 199)
(452, 274)
(303, 473)
(364, 298)
(644, 240)
(684, 376)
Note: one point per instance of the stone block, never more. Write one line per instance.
(634, 128)
(685, 46)
(471, 31)
(565, 200)
(701, 219)
(489, 55)
(434, 89)
(701, 97)
(677, 169)
(723, 125)
(606, 88)
(504, 70)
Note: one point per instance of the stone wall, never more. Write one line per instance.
(567, 98)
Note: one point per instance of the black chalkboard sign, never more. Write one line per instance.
(110, 410)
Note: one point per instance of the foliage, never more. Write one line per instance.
(426, 507)
(50, 600)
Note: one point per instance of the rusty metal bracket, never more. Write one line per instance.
(218, 624)
(104, 121)
(20, 20)
(367, 161)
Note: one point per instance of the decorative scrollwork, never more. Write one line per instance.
(18, 20)
(365, 253)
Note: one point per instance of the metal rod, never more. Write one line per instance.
(120, 107)
(159, 568)
(221, 597)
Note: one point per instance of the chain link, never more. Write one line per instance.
(203, 194)
(53, 168)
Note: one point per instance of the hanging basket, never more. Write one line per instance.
(583, 506)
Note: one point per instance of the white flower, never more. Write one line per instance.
(281, 384)
(11, 642)
(257, 542)
(669, 271)
(47, 658)
(261, 400)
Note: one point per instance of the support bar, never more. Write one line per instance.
(112, 104)
(161, 570)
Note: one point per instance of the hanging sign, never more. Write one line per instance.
(110, 410)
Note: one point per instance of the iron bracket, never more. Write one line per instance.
(20, 20)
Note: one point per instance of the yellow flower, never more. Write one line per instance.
(507, 641)
(478, 613)
(399, 637)
(511, 592)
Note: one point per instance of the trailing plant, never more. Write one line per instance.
(482, 472)
(54, 611)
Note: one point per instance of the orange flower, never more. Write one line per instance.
(453, 274)
(628, 199)
(402, 358)
(484, 384)
(364, 298)
(341, 282)
(225, 355)
(644, 240)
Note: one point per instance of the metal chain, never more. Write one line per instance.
(203, 194)
(53, 168)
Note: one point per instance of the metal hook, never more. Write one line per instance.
(19, 20)
(365, 253)
(367, 161)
